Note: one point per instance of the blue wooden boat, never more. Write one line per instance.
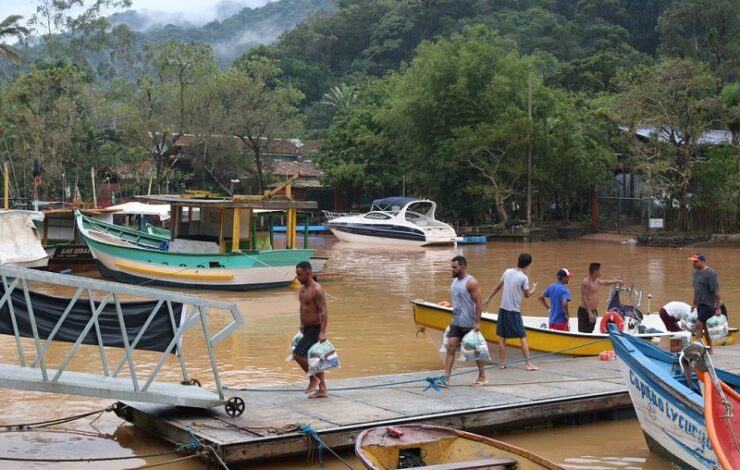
(668, 400)
(301, 228)
(472, 240)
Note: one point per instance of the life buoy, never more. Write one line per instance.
(613, 317)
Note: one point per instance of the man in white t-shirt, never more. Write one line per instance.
(673, 312)
(515, 283)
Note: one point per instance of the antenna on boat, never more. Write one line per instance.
(6, 181)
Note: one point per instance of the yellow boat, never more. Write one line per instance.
(432, 319)
(440, 448)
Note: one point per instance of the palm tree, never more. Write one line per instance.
(342, 97)
(11, 28)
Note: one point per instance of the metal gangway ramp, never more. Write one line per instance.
(97, 313)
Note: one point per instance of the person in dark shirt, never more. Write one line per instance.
(706, 295)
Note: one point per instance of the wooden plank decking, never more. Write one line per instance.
(563, 387)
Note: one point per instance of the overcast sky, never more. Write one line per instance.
(198, 11)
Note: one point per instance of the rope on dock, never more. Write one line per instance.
(435, 383)
(193, 445)
(54, 422)
(427, 380)
(312, 437)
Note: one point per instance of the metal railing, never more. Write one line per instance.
(330, 215)
(186, 312)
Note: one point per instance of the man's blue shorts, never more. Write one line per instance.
(704, 312)
(510, 324)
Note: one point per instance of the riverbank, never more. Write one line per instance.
(631, 235)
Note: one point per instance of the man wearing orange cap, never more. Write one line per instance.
(706, 295)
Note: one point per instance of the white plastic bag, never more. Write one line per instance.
(322, 357)
(474, 348)
(446, 340)
(293, 343)
(718, 327)
(688, 322)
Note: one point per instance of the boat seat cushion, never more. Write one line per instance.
(502, 462)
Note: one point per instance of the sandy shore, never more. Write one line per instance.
(613, 237)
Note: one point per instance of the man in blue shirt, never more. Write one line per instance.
(559, 296)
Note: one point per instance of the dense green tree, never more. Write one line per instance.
(69, 29)
(356, 152)
(675, 99)
(706, 31)
(717, 177)
(164, 109)
(54, 116)
(460, 115)
(730, 114)
(262, 109)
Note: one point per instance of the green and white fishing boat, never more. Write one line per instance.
(205, 248)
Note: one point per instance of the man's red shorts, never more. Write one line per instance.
(565, 326)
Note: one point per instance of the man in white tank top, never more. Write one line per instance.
(466, 312)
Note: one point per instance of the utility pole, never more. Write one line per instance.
(95, 194)
(529, 150)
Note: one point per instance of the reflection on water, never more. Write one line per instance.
(370, 325)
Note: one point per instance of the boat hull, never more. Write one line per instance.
(722, 415)
(129, 261)
(433, 319)
(670, 414)
(140, 265)
(371, 235)
(74, 256)
(442, 448)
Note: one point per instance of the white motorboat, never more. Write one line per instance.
(20, 242)
(393, 220)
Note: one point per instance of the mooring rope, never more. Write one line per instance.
(86, 459)
(193, 445)
(53, 422)
(311, 434)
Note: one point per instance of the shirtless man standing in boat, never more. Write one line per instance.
(588, 310)
(314, 318)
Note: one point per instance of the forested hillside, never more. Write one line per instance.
(233, 35)
(468, 102)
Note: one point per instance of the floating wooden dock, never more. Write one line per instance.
(269, 427)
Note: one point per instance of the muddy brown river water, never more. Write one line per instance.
(370, 325)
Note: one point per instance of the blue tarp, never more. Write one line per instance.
(389, 202)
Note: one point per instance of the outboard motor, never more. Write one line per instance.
(631, 313)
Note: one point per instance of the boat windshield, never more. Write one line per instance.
(420, 212)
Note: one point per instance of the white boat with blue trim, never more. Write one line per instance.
(399, 220)
(668, 401)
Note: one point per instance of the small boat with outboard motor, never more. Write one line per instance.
(441, 448)
(433, 319)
